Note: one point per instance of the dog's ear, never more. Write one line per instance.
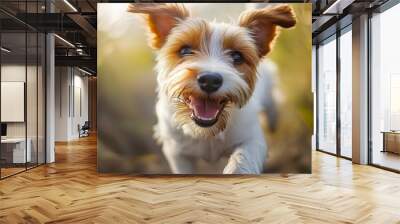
(263, 23)
(161, 18)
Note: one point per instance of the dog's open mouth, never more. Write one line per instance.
(205, 111)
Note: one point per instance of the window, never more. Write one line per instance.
(327, 96)
(22, 78)
(346, 93)
(385, 89)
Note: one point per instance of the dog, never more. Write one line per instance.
(212, 84)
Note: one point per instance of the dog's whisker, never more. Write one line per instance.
(180, 92)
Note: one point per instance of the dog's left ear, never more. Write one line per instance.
(161, 18)
(263, 23)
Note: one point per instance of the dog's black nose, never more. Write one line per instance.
(209, 82)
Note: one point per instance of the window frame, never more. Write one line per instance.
(333, 37)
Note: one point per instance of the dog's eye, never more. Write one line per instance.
(185, 50)
(237, 57)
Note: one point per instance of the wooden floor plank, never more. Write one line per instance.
(71, 191)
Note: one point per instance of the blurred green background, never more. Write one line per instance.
(127, 92)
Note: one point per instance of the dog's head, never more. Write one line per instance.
(206, 69)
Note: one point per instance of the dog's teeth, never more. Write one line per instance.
(207, 118)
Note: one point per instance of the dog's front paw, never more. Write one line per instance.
(233, 168)
(241, 162)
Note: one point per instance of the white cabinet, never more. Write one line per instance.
(19, 155)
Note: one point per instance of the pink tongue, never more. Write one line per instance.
(204, 108)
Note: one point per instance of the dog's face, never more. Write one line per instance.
(206, 69)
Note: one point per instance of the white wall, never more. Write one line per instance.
(16, 73)
(71, 94)
(81, 104)
(62, 81)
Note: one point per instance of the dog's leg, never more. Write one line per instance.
(179, 164)
(248, 158)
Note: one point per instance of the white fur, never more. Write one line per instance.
(267, 93)
(242, 139)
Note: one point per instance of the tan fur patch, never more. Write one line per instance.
(194, 34)
(239, 42)
(262, 23)
(160, 18)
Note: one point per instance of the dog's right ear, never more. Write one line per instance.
(263, 23)
(161, 18)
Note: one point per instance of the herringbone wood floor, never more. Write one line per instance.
(71, 191)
